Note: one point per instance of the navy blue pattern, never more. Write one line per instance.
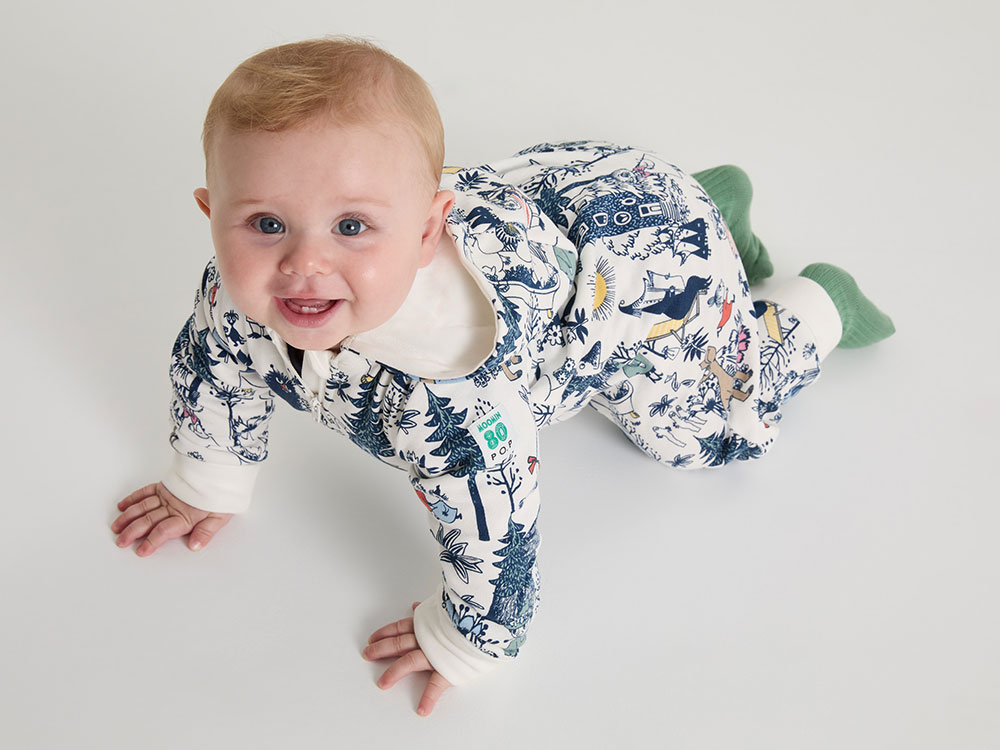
(614, 283)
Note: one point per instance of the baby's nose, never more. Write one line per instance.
(308, 256)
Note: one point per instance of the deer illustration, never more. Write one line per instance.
(728, 388)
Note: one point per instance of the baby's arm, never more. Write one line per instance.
(482, 502)
(219, 413)
(154, 515)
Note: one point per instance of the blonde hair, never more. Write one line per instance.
(351, 80)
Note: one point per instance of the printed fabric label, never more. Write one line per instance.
(493, 434)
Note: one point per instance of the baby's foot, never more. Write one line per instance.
(863, 323)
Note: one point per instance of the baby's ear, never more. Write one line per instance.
(440, 208)
(443, 202)
(201, 198)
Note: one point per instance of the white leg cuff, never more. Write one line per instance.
(810, 303)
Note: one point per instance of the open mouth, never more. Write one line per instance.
(307, 313)
(309, 306)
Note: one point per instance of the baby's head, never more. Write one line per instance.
(323, 160)
(350, 81)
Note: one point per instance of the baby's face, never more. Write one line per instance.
(319, 231)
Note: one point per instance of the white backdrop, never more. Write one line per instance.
(841, 593)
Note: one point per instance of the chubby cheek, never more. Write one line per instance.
(372, 273)
(366, 273)
(385, 286)
(245, 280)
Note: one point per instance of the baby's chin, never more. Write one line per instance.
(304, 338)
(311, 342)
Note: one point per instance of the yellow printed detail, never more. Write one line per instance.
(666, 328)
(600, 290)
(451, 170)
(772, 322)
(602, 283)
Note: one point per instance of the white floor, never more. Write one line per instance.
(841, 593)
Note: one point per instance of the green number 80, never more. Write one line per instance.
(493, 438)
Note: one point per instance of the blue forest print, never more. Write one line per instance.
(613, 283)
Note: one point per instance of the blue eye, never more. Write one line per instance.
(350, 227)
(268, 225)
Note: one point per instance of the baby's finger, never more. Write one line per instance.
(140, 527)
(171, 528)
(204, 530)
(138, 509)
(414, 661)
(140, 494)
(386, 648)
(394, 628)
(436, 686)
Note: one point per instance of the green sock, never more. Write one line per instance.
(863, 323)
(730, 189)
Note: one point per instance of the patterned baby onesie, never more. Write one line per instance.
(611, 280)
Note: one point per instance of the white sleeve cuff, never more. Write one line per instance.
(212, 487)
(457, 660)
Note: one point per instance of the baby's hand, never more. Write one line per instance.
(397, 641)
(154, 515)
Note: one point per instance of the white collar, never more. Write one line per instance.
(446, 327)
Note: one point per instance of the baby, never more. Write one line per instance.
(439, 323)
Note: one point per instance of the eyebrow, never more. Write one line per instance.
(372, 201)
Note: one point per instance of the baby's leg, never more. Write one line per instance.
(839, 314)
(812, 307)
(805, 319)
(727, 405)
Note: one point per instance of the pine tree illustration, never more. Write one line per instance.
(458, 448)
(365, 426)
(741, 450)
(511, 318)
(713, 449)
(720, 449)
(514, 595)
